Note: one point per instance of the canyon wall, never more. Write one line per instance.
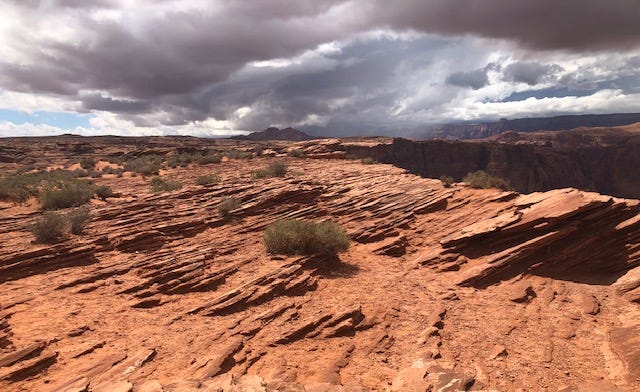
(611, 170)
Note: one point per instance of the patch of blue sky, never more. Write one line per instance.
(63, 120)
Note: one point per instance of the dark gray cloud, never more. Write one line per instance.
(475, 79)
(531, 73)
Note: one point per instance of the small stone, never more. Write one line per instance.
(522, 293)
(498, 351)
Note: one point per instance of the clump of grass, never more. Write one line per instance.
(103, 192)
(237, 154)
(447, 181)
(158, 184)
(78, 219)
(483, 180)
(51, 228)
(183, 159)
(296, 153)
(87, 163)
(66, 194)
(210, 157)
(113, 170)
(304, 237)
(54, 227)
(208, 179)
(146, 165)
(20, 186)
(227, 205)
(275, 169)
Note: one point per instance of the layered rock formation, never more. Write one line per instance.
(441, 289)
(591, 163)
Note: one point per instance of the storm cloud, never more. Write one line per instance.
(359, 63)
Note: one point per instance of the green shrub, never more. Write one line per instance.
(52, 227)
(103, 192)
(483, 180)
(78, 219)
(112, 170)
(184, 159)
(227, 205)
(237, 154)
(87, 163)
(160, 185)
(303, 237)
(66, 194)
(447, 181)
(275, 169)
(296, 153)
(210, 157)
(19, 187)
(208, 179)
(146, 165)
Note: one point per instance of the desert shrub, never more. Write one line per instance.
(112, 170)
(146, 165)
(87, 163)
(95, 174)
(103, 192)
(368, 161)
(52, 227)
(275, 169)
(78, 219)
(184, 159)
(208, 179)
(65, 194)
(80, 173)
(259, 150)
(304, 237)
(19, 187)
(159, 184)
(237, 154)
(483, 180)
(296, 153)
(227, 205)
(447, 181)
(210, 157)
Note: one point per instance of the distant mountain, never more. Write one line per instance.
(558, 123)
(274, 133)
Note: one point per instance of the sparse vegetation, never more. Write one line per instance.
(78, 219)
(103, 192)
(19, 187)
(184, 159)
(227, 205)
(87, 163)
(158, 184)
(237, 154)
(208, 179)
(447, 181)
(275, 169)
(52, 227)
(304, 237)
(146, 165)
(296, 153)
(65, 194)
(483, 180)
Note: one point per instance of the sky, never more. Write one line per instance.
(331, 67)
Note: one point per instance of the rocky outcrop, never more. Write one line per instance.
(527, 167)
